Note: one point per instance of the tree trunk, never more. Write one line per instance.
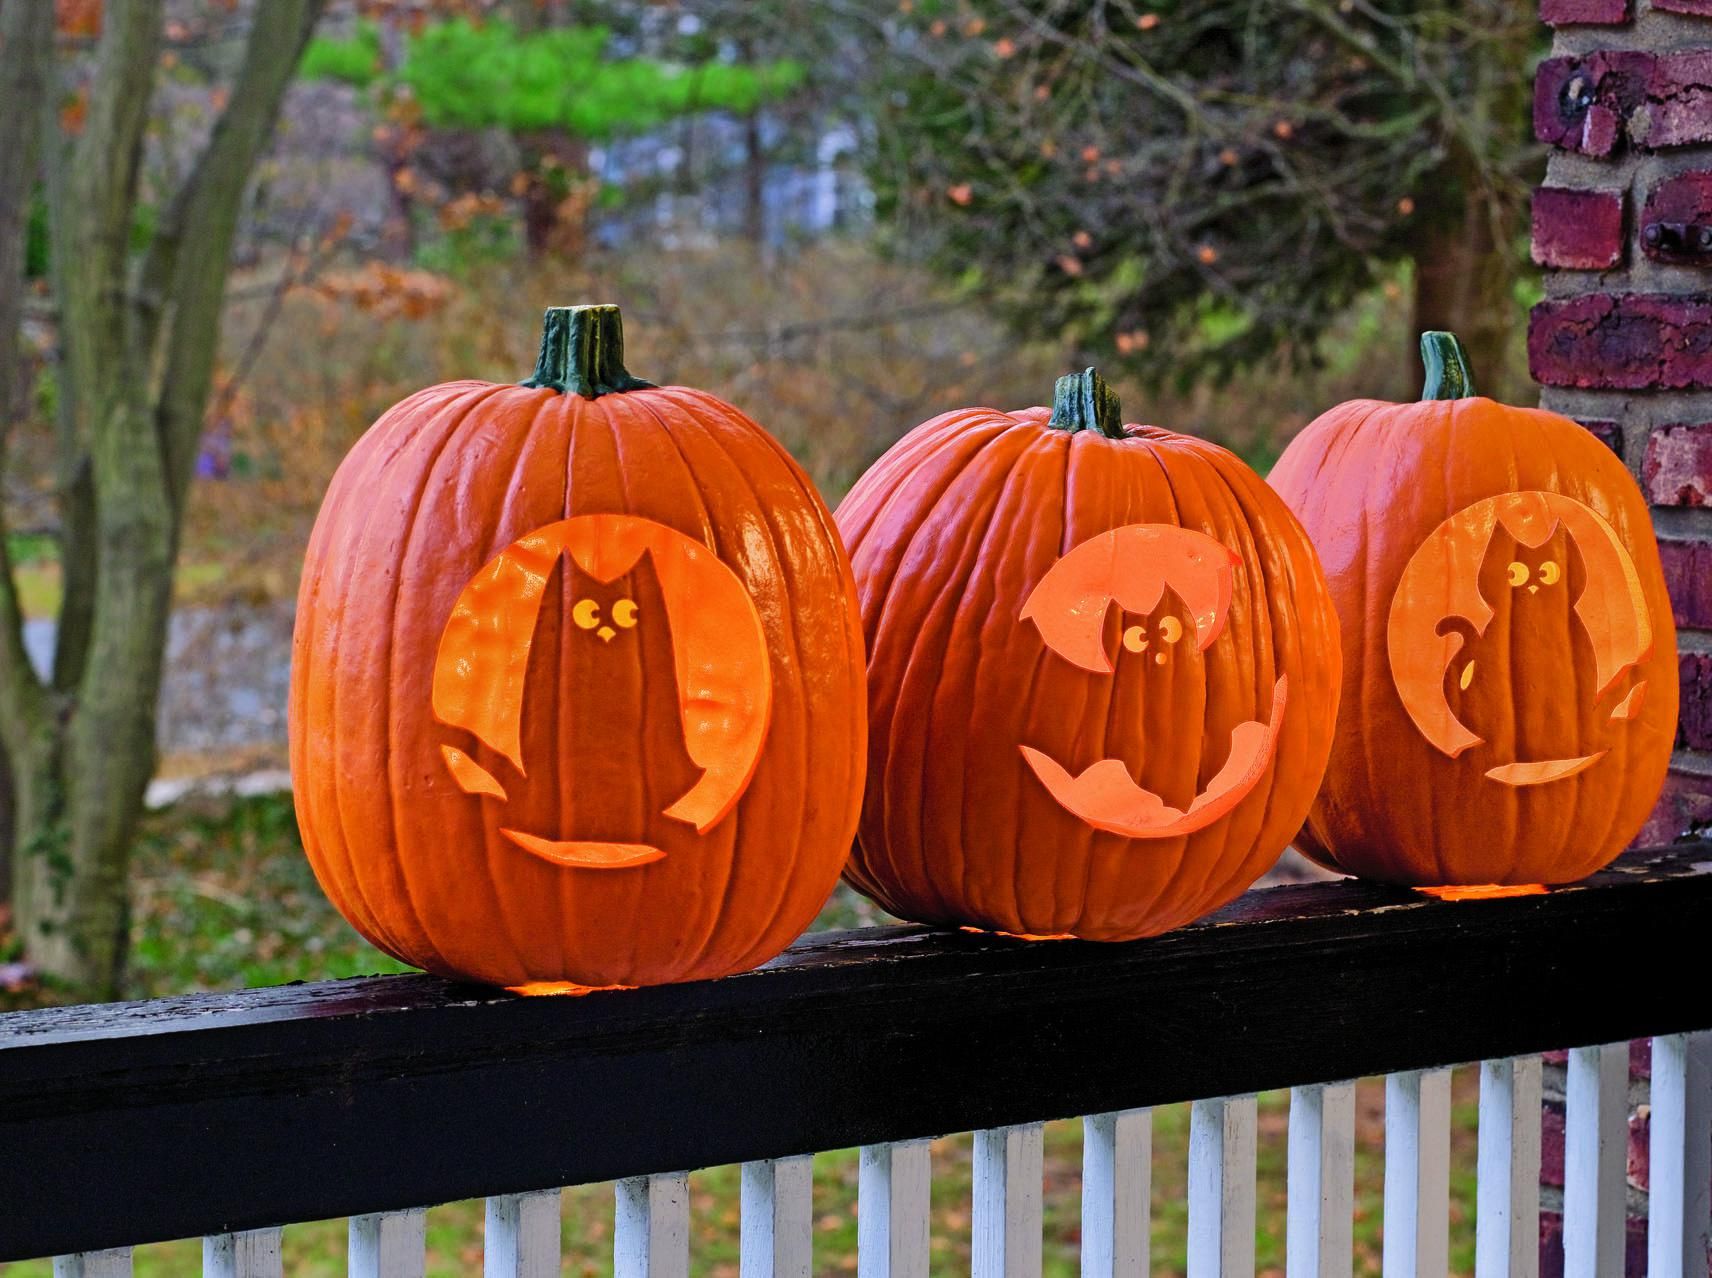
(26, 37)
(754, 180)
(1466, 268)
(137, 369)
(555, 203)
(1464, 281)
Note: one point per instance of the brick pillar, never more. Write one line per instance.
(1623, 343)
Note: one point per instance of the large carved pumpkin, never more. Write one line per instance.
(1103, 672)
(577, 680)
(1509, 661)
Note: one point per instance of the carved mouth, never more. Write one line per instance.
(1543, 770)
(587, 854)
(1108, 798)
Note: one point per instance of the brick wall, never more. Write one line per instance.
(1623, 343)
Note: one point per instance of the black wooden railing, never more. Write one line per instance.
(209, 1114)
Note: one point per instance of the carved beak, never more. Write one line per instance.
(606, 633)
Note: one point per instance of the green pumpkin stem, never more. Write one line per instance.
(1447, 367)
(582, 351)
(1083, 401)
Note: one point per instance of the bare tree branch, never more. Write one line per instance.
(205, 215)
(101, 185)
(26, 46)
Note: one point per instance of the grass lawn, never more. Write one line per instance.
(224, 899)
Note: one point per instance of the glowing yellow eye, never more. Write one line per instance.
(1550, 573)
(1171, 629)
(586, 614)
(624, 613)
(1518, 573)
(1135, 639)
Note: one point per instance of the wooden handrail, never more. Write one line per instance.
(129, 1123)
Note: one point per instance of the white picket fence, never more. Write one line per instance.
(651, 1237)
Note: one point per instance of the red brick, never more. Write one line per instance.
(1608, 433)
(1580, 104)
(1679, 100)
(1593, 104)
(1688, 574)
(1551, 1246)
(1676, 220)
(1578, 230)
(1694, 718)
(1635, 341)
(1677, 470)
(1640, 1058)
(1551, 1144)
(1639, 1162)
(1567, 13)
(1684, 807)
(1694, 8)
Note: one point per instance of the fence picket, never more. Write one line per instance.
(115, 1262)
(1507, 1176)
(1679, 1213)
(1006, 1227)
(1117, 1171)
(1417, 1174)
(522, 1236)
(892, 1208)
(253, 1253)
(1221, 1188)
(1595, 1159)
(777, 1218)
(389, 1244)
(1319, 1225)
(651, 1237)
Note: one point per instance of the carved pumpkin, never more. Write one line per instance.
(561, 649)
(1509, 658)
(1103, 672)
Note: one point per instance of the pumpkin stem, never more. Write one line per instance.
(582, 351)
(1083, 401)
(1447, 367)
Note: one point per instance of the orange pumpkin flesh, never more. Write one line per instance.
(561, 649)
(1508, 646)
(1081, 636)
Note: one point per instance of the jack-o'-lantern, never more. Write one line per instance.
(560, 650)
(1103, 672)
(1508, 649)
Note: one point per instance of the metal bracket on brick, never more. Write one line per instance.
(1676, 223)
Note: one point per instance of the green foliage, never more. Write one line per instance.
(468, 75)
(356, 61)
(223, 898)
(483, 243)
(36, 236)
(32, 548)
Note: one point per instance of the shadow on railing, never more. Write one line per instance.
(220, 1114)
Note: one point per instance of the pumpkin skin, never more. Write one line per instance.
(1504, 724)
(1038, 762)
(500, 782)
